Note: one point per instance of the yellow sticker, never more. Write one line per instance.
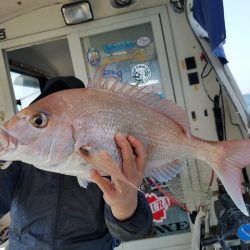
(139, 56)
(2, 116)
(183, 64)
(196, 87)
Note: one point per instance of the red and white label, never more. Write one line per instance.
(158, 206)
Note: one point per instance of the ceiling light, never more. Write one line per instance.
(120, 4)
(77, 12)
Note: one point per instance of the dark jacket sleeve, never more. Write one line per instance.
(8, 180)
(137, 226)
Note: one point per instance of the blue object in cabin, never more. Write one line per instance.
(243, 232)
(210, 15)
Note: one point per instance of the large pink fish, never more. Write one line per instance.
(50, 132)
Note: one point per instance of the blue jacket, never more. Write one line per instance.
(51, 211)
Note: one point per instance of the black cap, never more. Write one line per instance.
(60, 83)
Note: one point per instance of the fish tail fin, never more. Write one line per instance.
(228, 166)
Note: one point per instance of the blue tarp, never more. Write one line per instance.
(210, 15)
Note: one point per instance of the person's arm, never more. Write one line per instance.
(127, 213)
(8, 179)
(135, 227)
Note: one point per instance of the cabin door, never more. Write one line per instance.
(130, 47)
(128, 54)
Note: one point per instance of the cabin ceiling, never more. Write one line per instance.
(12, 8)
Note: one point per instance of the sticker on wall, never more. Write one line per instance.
(113, 73)
(143, 41)
(93, 57)
(111, 48)
(138, 55)
(141, 73)
(158, 206)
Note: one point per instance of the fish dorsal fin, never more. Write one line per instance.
(165, 106)
(166, 172)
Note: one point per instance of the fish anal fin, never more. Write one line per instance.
(83, 182)
(5, 164)
(167, 171)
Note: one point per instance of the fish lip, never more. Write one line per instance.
(6, 140)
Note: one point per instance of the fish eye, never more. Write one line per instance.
(39, 120)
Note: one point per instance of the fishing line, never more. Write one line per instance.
(165, 194)
(204, 68)
(19, 101)
(203, 77)
(27, 96)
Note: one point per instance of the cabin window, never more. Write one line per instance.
(128, 54)
(26, 89)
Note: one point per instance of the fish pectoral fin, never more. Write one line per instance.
(167, 171)
(85, 150)
(5, 164)
(102, 162)
(105, 165)
(83, 182)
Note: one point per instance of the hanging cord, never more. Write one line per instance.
(204, 68)
(220, 123)
(223, 108)
(19, 101)
(204, 76)
(216, 97)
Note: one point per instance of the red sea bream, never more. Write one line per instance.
(49, 133)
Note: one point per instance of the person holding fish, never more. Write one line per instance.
(52, 211)
(70, 132)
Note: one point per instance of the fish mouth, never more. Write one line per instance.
(6, 141)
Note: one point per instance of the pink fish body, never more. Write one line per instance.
(49, 133)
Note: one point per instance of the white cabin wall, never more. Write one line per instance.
(195, 97)
(50, 17)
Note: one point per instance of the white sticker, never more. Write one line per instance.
(141, 73)
(143, 41)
